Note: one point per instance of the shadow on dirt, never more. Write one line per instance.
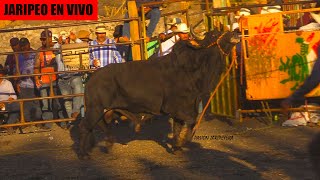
(207, 163)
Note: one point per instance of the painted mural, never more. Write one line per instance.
(277, 62)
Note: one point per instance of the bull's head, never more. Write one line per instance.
(213, 35)
(227, 41)
(204, 39)
(197, 36)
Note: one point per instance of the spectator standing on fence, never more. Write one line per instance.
(104, 54)
(69, 83)
(152, 12)
(46, 63)
(7, 93)
(26, 85)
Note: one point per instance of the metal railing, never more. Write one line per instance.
(22, 122)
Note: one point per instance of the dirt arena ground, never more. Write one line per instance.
(220, 150)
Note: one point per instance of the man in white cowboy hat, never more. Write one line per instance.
(169, 38)
(183, 31)
(101, 56)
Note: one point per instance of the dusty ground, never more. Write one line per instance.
(256, 151)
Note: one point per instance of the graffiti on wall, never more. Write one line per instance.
(296, 66)
(262, 46)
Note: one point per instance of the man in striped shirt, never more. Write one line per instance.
(101, 56)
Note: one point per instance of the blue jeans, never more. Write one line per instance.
(13, 112)
(50, 105)
(72, 85)
(30, 108)
(154, 16)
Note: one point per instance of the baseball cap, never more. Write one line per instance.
(44, 34)
(24, 41)
(14, 41)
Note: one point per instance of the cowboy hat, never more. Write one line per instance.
(183, 28)
(101, 29)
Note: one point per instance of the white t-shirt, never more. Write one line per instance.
(6, 90)
(167, 45)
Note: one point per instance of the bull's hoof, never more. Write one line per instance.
(137, 128)
(85, 156)
(177, 150)
(109, 144)
(109, 141)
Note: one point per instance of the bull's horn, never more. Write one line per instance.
(196, 36)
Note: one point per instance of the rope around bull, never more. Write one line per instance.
(214, 92)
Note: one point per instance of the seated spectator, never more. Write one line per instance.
(169, 38)
(151, 12)
(26, 85)
(7, 93)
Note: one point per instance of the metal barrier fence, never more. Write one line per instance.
(82, 69)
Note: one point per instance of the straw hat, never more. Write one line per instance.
(101, 29)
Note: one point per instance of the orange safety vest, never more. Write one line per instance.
(46, 61)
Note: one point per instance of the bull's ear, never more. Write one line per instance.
(194, 44)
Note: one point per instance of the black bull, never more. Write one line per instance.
(172, 85)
